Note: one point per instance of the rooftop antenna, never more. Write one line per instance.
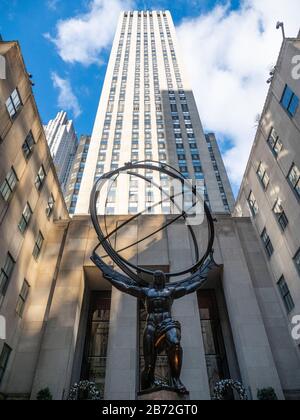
(281, 25)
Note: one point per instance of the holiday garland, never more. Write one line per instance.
(222, 387)
(87, 387)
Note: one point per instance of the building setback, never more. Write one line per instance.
(62, 140)
(147, 111)
(270, 190)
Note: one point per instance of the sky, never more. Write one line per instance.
(229, 48)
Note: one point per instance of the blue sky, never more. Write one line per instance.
(229, 84)
(28, 20)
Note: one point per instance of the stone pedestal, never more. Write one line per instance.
(162, 394)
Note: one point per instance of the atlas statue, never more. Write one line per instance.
(162, 333)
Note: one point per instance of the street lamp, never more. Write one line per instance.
(281, 25)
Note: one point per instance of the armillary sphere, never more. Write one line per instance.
(132, 270)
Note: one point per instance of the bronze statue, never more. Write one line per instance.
(161, 332)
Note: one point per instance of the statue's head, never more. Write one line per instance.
(159, 280)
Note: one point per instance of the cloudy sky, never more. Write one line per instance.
(229, 47)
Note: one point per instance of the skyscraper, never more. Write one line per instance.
(147, 111)
(75, 178)
(62, 141)
(65, 323)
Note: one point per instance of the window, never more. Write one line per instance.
(4, 357)
(39, 181)
(51, 202)
(28, 146)
(253, 204)
(22, 299)
(132, 209)
(5, 274)
(110, 211)
(111, 197)
(8, 185)
(286, 295)
(38, 246)
(25, 219)
(294, 179)
(116, 157)
(289, 101)
(149, 197)
(134, 156)
(280, 215)
(297, 261)
(13, 103)
(263, 175)
(133, 197)
(275, 142)
(267, 243)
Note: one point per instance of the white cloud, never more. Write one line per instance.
(82, 38)
(52, 4)
(66, 97)
(228, 56)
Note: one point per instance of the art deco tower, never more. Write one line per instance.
(147, 111)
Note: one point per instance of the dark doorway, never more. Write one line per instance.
(215, 353)
(95, 352)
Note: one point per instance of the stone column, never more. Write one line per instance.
(253, 350)
(194, 371)
(121, 365)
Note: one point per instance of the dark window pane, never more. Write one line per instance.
(286, 98)
(4, 358)
(286, 295)
(297, 261)
(294, 105)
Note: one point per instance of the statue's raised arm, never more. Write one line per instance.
(118, 280)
